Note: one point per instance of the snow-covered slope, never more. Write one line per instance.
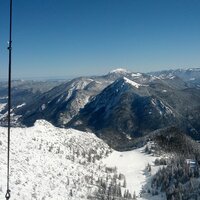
(134, 84)
(53, 163)
(132, 164)
(60, 104)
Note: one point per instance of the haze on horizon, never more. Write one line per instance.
(73, 37)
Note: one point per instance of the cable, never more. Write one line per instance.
(7, 196)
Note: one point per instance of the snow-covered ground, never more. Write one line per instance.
(133, 165)
(49, 163)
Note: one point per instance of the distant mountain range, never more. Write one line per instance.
(191, 75)
(119, 106)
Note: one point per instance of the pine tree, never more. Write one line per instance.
(71, 193)
(124, 184)
(134, 196)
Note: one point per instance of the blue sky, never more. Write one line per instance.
(61, 38)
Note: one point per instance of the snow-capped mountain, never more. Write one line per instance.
(53, 163)
(120, 104)
(61, 103)
(118, 71)
(190, 75)
(125, 110)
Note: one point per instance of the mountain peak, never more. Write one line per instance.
(119, 70)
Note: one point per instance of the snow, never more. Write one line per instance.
(161, 107)
(193, 69)
(132, 164)
(119, 70)
(21, 105)
(89, 79)
(77, 105)
(172, 77)
(43, 107)
(80, 85)
(153, 78)
(137, 85)
(2, 98)
(136, 74)
(50, 163)
(2, 106)
(45, 165)
(4, 115)
(98, 82)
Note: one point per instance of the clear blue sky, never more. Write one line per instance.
(83, 37)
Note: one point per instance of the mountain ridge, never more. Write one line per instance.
(131, 104)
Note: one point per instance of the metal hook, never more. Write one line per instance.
(7, 195)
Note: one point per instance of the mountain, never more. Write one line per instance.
(148, 121)
(119, 106)
(61, 103)
(190, 75)
(23, 92)
(58, 104)
(127, 109)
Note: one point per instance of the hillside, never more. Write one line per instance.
(51, 163)
(127, 109)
